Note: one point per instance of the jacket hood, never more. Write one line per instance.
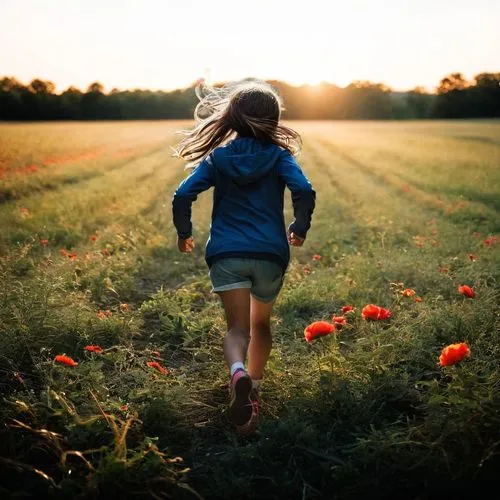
(245, 159)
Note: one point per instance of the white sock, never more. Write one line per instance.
(256, 383)
(237, 366)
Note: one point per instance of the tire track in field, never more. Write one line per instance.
(406, 190)
(59, 184)
(95, 201)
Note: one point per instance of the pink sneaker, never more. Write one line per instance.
(240, 407)
(253, 422)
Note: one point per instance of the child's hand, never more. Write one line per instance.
(294, 240)
(185, 245)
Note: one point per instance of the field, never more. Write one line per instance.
(88, 257)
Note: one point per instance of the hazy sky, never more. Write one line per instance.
(162, 44)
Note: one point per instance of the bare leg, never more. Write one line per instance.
(260, 337)
(237, 308)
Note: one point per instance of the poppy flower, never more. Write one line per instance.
(44, 242)
(104, 314)
(339, 321)
(93, 238)
(65, 360)
(371, 311)
(467, 291)
(418, 299)
(318, 329)
(124, 407)
(316, 257)
(347, 309)
(490, 241)
(408, 292)
(454, 353)
(157, 366)
(93, 348)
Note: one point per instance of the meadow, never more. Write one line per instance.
(88, 257)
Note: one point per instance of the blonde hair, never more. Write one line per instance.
(246, 108)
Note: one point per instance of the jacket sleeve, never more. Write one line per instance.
(303, 194)
(188, 190)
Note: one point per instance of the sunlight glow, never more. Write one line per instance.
(168, 44)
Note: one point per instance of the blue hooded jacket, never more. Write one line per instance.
(249, 176)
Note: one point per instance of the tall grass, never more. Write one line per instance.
(365, 413)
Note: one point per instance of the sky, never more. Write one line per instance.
(163, 44)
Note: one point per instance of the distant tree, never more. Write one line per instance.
(70, 104)
(92, 102)
(449, 83)
(41, 87)
(96, 88)
(487, 80)
(485, 95)
(361, 100)
(11, 99)
(419, 103)
(453, 97)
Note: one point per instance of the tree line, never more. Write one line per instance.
(456, 97)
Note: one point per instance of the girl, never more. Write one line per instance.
(242, 150)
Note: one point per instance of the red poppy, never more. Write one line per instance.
(73, 256)
(93, 348)
(490, 241)
(157, 366)
(316, 257)
(339, 321)
(93, 238)
(318, 329)
(124, 407)
(454, 353)
(44, 242)
(104, 314)
(347, 309)
(371, 311)
(408, 292)
(65, 360)
(418, 299)
(467, 291)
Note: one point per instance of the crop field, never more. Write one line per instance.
(88, 257)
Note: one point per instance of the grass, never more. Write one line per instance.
(366, 413)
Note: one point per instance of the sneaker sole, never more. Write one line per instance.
(240, 408)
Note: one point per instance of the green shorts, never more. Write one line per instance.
(263, 277)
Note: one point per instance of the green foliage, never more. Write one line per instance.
(364, 413)
(360, 100)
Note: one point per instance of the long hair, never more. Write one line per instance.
(246, 108)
